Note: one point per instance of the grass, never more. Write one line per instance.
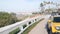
(15, 31)
(31, 27)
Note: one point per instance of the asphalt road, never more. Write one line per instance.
(40, 28)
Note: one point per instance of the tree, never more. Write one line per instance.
(42, 7)
(14, 18)
(6, 19)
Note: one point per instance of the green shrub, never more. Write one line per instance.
(7, 19)
(15, 31)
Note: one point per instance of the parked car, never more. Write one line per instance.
(53, 24)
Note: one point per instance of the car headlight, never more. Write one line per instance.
(58, 28)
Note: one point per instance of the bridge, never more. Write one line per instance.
(23, 25)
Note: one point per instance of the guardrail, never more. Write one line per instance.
(28, 22)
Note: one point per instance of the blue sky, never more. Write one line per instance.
(21, 5)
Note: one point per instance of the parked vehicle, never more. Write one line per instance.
(54, 24)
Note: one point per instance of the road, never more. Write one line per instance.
(40, 28)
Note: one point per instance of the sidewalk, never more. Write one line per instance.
(39, 28)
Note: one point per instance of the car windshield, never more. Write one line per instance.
(56, 19)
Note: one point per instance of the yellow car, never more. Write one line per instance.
(54, 25)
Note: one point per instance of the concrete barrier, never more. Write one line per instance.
(28, 22)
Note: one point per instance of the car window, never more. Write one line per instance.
(56, 19)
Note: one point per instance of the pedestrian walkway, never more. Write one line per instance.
(40, 28)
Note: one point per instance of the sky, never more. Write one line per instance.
(21, 5)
